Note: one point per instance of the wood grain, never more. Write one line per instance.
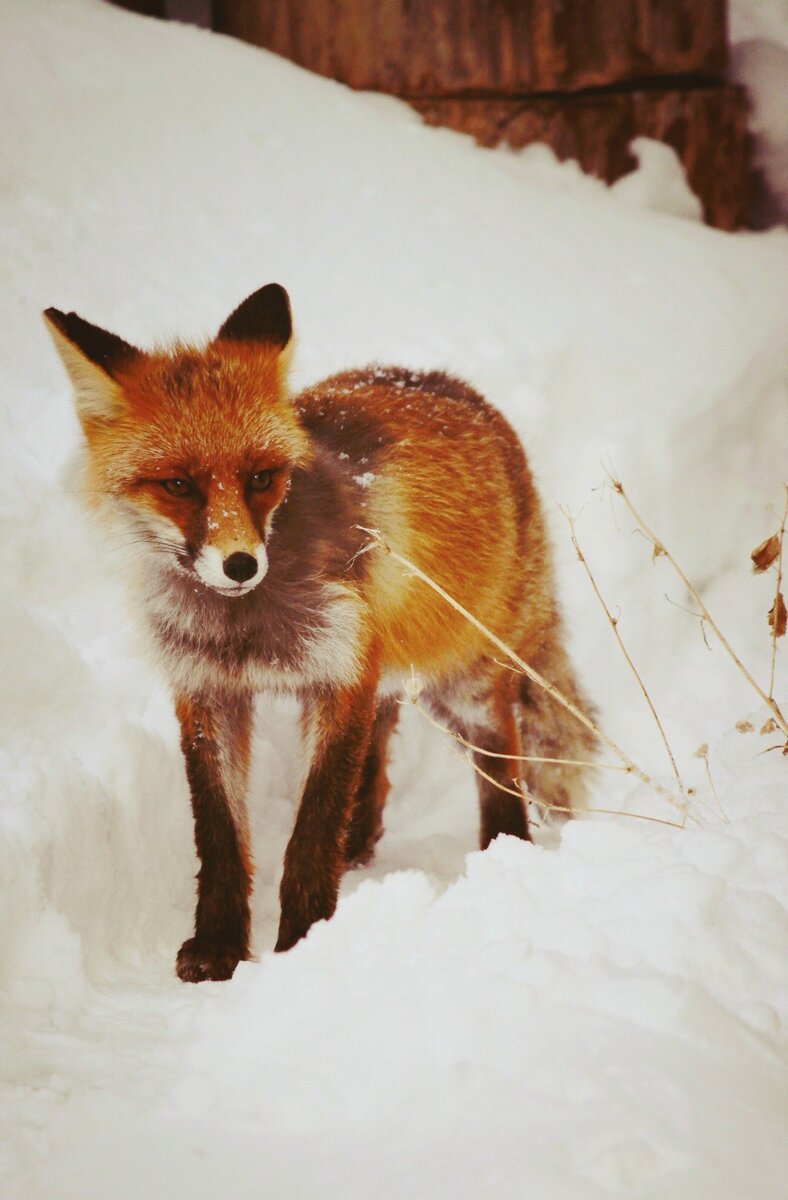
(451, 47)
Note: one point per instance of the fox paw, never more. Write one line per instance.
(360, 848)
(360, 858)
(199, 960)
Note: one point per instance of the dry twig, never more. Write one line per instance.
(698, 616)
(659, 550)
(532, 758)
(534, 676)
(703, 752)
(523, 791)
(613, 622)
(777, 597)
(563, 808)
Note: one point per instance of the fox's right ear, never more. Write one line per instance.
(264, 317)
(92, 357)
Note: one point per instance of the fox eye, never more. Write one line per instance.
(177, 487)
(261, 481)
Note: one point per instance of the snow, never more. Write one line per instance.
(599, 1014)
(759, 61)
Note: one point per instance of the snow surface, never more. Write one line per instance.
(599, 1014)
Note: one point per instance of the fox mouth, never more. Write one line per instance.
(186, 564)
(238, 589)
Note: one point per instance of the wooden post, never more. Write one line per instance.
(583, 76)
(499, 47)
(147, 8)
(706, 126)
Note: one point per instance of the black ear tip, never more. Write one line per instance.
(106, 350)
(262, 317)
(276, 289)
(65, 322)
(274, 297)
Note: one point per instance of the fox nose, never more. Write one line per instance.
(240, 566)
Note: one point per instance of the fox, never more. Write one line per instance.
(249, 509)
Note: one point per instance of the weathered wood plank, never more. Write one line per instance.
(707, 127)
(147, 8)
(449, 47)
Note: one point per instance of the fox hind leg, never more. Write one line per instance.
(366, 821)
(482, 711)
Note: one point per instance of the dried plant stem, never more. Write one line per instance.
(532, 758)
(777, 590)
(534, 676)
(522, 791)
(705, 757)
(562, 808)
(613, 622)
(661, 550)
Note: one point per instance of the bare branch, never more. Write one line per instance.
(527, 670)
(562, 808)
(613, 622)
(777, 594)
(523, 791)
(692, 613)
(532, 758)
(703, 752)
(618, 487)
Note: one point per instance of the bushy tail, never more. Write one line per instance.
(549, 730)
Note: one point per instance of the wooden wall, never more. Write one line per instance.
(583, 76)
(447, 47)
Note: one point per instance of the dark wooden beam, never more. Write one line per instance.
(449, 47)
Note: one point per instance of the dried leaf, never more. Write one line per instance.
(769, 727)
(764, 555)
(657, 551)
(745, 726)
(777, 616)
(702, 751)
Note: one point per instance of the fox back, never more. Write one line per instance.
(251, 513)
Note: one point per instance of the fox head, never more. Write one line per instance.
(192, 449)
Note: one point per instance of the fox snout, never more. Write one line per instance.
(232, 574)
(240, 567)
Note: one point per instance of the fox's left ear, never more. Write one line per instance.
(93, 358)
(264, 317)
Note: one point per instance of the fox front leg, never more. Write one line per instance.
(215, 735)
(339, 727)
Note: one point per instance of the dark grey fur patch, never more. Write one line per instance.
(313, 542)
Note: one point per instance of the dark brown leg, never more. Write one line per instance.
(314, 860)
(480, 708)
(501, 811)
(215, 735)
(366, 822)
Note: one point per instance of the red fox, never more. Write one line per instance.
(250, 507)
